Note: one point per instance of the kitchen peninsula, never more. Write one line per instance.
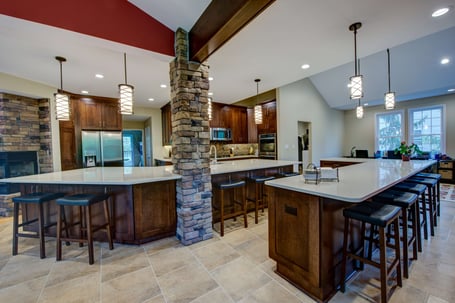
(306, 221)
(143, 198)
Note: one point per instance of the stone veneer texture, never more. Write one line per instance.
(191, 144)
(25, 126)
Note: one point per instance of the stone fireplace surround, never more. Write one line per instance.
(25, 126)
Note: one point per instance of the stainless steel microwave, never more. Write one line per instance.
(220, 134)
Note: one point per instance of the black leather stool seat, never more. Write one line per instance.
(429, 175)
(438, 188)
(418, 189)
(422, 180)
(372, 212)
(229, 184)
(380, 216)
(37, 199)
(82, 199)
(397, 198)
(408, 202)
(84, 202)
(284, 175)
(259, 196)
(228, 210)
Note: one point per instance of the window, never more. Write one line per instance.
(427, 128)
(389, 130)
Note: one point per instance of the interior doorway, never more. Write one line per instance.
(304, 144)
(132, 148)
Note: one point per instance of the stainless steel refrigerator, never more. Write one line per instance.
(102, 148)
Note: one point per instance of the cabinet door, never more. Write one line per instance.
(111, 117)
(270, 109)
(239, 125)
(216, 111)
(67, 145)
(252, 127)
(90, 115)
(166, 124)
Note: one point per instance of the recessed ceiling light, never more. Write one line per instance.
(84, 91)
(210, 78)
(451, 90)
(445, 60)
(163, 85)
(99, 76)
(210, 94)
(349, 85)
(151, 99)
(440, 12)
(365, 104)
(305, 66)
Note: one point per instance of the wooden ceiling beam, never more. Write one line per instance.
(220, 22)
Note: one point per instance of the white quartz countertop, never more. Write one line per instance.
(357, 182)
(225, 167)
(102, 176)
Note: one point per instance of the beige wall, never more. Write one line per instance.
(300, 101)
(360, 133)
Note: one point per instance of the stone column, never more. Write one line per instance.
(191, 144)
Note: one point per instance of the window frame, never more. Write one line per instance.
(376, 126)
(410, 135)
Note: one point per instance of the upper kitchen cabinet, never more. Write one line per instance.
(221, 115)
(98, 114)
(252, 127)
(268, 119)
(166, 124)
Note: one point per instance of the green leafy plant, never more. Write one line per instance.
(408, 150)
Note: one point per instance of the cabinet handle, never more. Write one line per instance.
(290, 210)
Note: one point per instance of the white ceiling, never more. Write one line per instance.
(272, 47)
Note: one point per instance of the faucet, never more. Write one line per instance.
(352, 151)
(210, 152)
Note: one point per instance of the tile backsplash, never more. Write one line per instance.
(224, 149)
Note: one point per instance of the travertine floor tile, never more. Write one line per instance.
(216, 254)
(270, 293)
(25, 292)
(170, 260)
(122, 260)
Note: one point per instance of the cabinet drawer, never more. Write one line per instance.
(445, 173)
(446, 164)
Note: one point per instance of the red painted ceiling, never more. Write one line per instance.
(115, 20)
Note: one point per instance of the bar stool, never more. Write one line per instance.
(418, 189)
(438, 188)
(432, 201)
(222, 188)
(381, 216)
(408, 203)
(38, 199)
(258, 199)
(84, 202)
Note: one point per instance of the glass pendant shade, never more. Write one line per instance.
(258, 114)
(389, 100)
(62, 106)
(359, 111)
(356, 87)
(126, 99)
(209, 111)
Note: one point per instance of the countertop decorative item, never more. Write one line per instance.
(407, 151)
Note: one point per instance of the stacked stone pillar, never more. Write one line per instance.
(191, 144)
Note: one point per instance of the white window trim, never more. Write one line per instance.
(403, 123)
(443, 122)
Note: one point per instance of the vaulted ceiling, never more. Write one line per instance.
(272, 47)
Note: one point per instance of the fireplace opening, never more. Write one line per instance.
(16, 164)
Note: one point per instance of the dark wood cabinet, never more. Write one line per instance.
(268, 124)
(99, 114)
(252, 127)
(67, 145)
(239, 125)
(166, 124)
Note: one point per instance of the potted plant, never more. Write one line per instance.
(407, 151)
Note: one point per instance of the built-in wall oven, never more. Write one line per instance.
(267, 146)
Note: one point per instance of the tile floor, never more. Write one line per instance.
(235, 268)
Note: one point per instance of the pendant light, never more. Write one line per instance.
(126, 95)
(257, 107)
(210, 109)
(359, 111)
(389, 97)
(356, 80)
(62, 103)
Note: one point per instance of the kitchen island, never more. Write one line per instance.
(142, 198)
(306, 221)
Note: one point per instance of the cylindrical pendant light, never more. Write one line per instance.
(210, 109)
(359, 111)
(389, 97)
(356, 84)
(126, 94)
(62, 103)
(257, 107)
